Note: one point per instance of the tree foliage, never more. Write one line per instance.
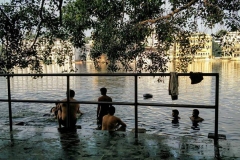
(29, 32)
(119, 30)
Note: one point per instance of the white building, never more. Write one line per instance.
(231, 46)
(204, 52)
(83, 54)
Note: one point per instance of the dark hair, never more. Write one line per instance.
(196, 111)
(103, 90)
(56, 103)
(111, 110)
(71, 93)
(175, 111)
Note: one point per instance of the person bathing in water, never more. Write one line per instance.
(102, 109)
(175, 116)
(54, 110)
(111, 122)
(195, 118)
(74, 109)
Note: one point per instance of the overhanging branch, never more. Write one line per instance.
(39, 24)
(9, 20)
(170, 14)
(60, 10)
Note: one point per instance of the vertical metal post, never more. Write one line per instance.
(9, 102)
(68, 106)
(136, 106)
(216, 109)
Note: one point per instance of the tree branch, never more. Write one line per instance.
(5, 15)
(39, 24)
(170, 14)
(207, 4)
(60, 10)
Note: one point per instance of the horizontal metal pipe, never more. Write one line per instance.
(117, 103)
(178, 105)
(107, 74)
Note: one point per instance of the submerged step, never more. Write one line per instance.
(220, 136)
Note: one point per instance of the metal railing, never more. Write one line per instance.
(135, 103)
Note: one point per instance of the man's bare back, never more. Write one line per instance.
(112, 123)
(74, 108)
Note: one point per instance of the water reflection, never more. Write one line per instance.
(70, 143)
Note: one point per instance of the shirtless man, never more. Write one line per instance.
(195, 118)
(74, 108)
(111, 122)
(102, 109)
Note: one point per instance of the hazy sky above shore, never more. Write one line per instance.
(202, 28)
(4, 1)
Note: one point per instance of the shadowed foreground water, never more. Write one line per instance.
(28, 142)
(156, 120)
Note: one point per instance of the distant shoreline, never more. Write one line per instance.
(196, 59)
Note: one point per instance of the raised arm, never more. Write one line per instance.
(123, 125)
(78, 109)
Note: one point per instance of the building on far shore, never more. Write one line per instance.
(211, 48)
(231, 46)
(83, 54)
(201, 41)
(204, 52)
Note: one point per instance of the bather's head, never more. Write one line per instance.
(111, 110)
(195, 113)
(71, 93)
(175, 113)
(103, 91)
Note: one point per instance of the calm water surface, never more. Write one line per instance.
(156, 120)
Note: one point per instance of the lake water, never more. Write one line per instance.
(156, 120)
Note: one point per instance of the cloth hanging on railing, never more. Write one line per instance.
(173, 85)
(196, 77)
